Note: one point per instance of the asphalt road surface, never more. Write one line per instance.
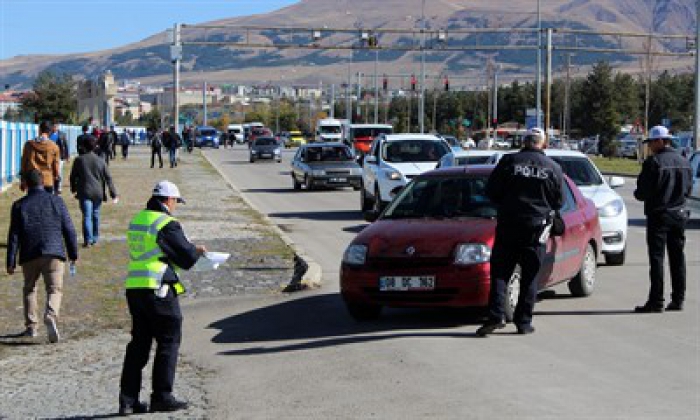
(303, 356)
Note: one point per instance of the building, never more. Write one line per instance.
(9, 101)
(96, 99)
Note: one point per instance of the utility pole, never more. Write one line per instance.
(421, 104)
(567, 90)
(538, 76)
(333, 101)
(204, 101)
(548, 116)
(376, 88)
(359, 95)
(696, 120)
(175, 57)
(495, 100)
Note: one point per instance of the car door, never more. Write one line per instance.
(296, 163)
(572, 245)
(370, 167)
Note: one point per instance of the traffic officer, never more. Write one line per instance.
(663, 185)
(158, 249)
(526, 188)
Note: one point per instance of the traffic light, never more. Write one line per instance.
(413, 82)
(385, 83)
(447, 84)
(494, 122)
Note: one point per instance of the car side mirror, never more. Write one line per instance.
(616, 181)
(371, 159)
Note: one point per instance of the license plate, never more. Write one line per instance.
(406, 283)
(266, 155)
(338, 180)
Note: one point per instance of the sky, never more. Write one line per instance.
(71, 26)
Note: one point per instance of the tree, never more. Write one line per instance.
(151, 119)
(598, 103)
(627, 98)
(53, 98)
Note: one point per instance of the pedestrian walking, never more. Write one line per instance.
(125, 141)
(83, 139)
(40, 225)
(156, 145)
(88, 178)
(158, 249)
(663, 185)
(107, 140)
(59, 137)
(526, 188)
(172, 141)
(43, 155)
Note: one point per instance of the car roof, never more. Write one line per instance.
(477, 152)
(557, 152)
(371, 125)
(459, 171)
(325, 144)
(411, 136)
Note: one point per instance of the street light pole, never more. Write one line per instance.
(176, 56)
(376, 88)
(538, 76)
(421, 103)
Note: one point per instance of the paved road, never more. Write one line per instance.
(303, 356)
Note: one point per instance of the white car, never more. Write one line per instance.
(393, 160)
(466, 157)
(612, 211)
(694, 199)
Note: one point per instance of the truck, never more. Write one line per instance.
(328, 130)
(360, 136)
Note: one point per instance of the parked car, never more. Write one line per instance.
(683, 142)
(393, 160)
(206, 136)
(325, 165)
(432, 244)
(629, 147)
(296, 138)
(611, 207)
(455, 145)
(265, 148)
(694, 199)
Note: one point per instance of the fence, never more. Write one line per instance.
(12, 139)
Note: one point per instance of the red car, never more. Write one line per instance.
(432, 244)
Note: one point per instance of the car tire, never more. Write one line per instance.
(363, 312)
(308, 183)
(252, 160)
(365, 202)
(296, 184)
(377, 206)
(512, 294)
(583, 283)
(357, 187)
(615, 259)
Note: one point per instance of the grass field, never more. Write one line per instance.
(617, 165)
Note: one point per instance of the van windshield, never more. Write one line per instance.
(329, 129)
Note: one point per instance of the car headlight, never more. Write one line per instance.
(611, 209)
(468, 254)
(254, 152)
(277, 151)
(318, 172)
(355, 254)
(393, 175)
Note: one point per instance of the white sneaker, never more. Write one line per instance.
(54, 336)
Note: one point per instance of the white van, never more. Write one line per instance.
(236, 130)
(328, 130)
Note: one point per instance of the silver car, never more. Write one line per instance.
(265, 148)
(325, 165)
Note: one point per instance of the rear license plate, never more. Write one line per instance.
(406, 283)
(338, 180)
(266, 155)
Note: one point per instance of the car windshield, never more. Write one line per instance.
(265, 141)
(329, 129)
(443, 197)
(579, 169)
(372, 132)
(206, 132)
(414, 151)
(328, 154)
(472, 160)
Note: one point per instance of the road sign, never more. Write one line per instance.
(466, 122)
(666, 122)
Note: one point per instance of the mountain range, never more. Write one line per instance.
(149, 59)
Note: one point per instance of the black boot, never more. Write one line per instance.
(167, 404)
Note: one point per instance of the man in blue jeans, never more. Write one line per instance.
(172, 141)
(87, 180)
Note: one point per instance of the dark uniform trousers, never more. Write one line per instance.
(516, 245)
(152, 318)
(666, 230)
(155, 151)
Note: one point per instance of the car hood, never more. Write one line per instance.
(413, 168)
(599, 194)
(334, 165)
(430, 238)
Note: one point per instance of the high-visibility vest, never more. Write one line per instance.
(145, 267)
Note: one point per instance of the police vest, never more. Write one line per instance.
(145, 267)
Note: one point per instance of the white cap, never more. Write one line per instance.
(658, 132)
(167, 189)
(536, 132)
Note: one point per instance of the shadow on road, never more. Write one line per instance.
(336, 215)
(588, 312)
(322, 321)
(355, 229)
(693, 224)
(271, 190)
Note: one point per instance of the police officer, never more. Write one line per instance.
(158, 249)
(663, 185)
(526, 187)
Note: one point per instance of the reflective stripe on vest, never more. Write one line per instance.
(145, 267)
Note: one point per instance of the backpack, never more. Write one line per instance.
(156, 141)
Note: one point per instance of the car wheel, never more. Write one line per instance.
(252, 160)
(365, 202)
(615, 259)
(308, 183)
(295, 183)
(512, 294)
(583, 282)
(363, 312)
(377, 205)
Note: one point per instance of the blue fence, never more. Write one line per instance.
(12, 139)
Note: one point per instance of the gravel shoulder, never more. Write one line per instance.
(81, 373)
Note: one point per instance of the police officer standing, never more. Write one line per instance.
(158, 249)
(526, 187)
(663, 185)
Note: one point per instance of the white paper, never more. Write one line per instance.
(210, 261)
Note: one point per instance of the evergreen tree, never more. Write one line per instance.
(53, 98)
(598, 104)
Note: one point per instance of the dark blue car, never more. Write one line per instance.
(206, 136)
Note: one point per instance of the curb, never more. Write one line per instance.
(307, 272)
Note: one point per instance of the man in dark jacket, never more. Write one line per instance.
(88, 178)
(83, 139)
(526, 188)
(39, 227)
(107, 143)
(158, 248)
(172, 141)
(663, 185)
(59, 137)
(156, 140)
